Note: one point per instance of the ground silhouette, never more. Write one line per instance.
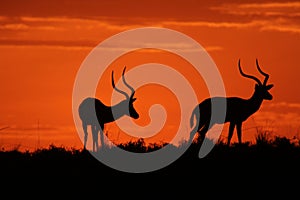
(244, 168)
(62, 161)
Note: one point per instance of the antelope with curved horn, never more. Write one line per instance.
(94, 113)
(237, 109)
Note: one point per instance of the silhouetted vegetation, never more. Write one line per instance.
(245, 168)
(264, 158)
(139, 146)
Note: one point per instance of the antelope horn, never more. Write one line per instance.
(117, 89)
(248, 76)
(123, 78)
(263, 73)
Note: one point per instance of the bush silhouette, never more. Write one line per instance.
(267, 153)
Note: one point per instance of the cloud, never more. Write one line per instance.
(284, 117)
(267, 9)
(75, 22)
(262, 25)
(50, 31)
(55, 29)
(89, 45)
(25, 27)
(213, 24)
(273, 16)
(3, 18)
(280, 5)
(115, 17)
(14, 27)
(50, 44)
(210, 24)
(279, 119)
(279, 17)
(44, 130)
(282, 28)
(284, 105)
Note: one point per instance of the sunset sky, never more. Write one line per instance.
(43, 44)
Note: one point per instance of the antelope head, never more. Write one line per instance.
(129, 98)
(260, 88)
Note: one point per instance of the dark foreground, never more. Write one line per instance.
(261, 168)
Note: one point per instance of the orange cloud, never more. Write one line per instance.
(50, 32)
(284, 105)
(280, 5)
(262, 9)
(282, 17)
(291, 119)
(213, 24)
(15, 27)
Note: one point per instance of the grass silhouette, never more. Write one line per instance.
(270, 162)
(54, 160)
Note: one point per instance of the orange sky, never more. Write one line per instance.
(43, 44)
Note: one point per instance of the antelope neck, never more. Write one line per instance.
(120, 109)
(255, 101)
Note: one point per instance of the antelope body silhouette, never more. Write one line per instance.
(96, 114)
(237, 109)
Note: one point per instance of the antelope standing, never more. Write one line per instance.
(237, 109)
(94, 113)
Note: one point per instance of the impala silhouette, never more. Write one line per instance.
(237, 109)
(94, 113)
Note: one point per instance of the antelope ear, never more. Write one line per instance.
(269, 86)
(132, 100)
